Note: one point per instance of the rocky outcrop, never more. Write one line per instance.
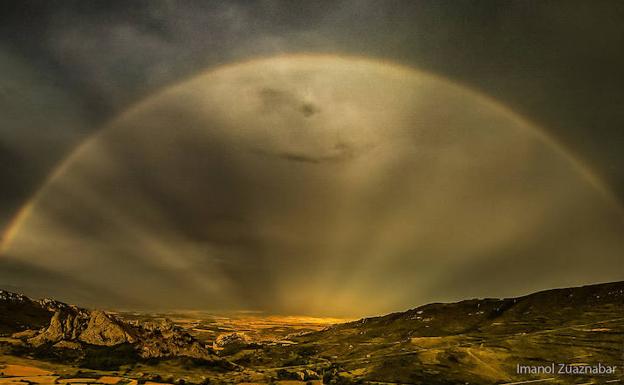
(164, 339)
(104, 330)
(231, 339)
(65, 325)
(70, 327)
(231, 342)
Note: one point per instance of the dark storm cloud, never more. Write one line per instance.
(341, 152)
(344, 153)
(542, 252)
(556, 63)
(36, 282)
(39, 123)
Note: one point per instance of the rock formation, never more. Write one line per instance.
(64, 326)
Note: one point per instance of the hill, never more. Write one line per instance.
(92, 338)
(476, 341)
(480, 340)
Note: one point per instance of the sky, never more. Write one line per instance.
(70, 69)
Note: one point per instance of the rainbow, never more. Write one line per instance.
(19, 218)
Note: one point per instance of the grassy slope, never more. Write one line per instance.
(481, 341)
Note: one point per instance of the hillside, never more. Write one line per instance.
(480, 340)
(477, 341)
(18, 313)
(545, 309)
(92, 338)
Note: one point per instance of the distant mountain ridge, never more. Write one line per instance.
(549, 307)
(19, 312)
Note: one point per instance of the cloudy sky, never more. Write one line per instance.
(548, 74)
